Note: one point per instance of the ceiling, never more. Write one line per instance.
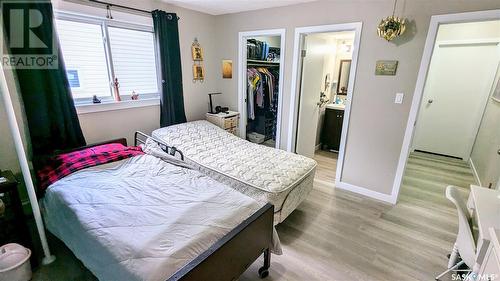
(220, 7)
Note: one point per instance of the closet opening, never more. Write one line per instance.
(260, 80)
(325, 68)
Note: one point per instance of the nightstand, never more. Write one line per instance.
(13, 227)
(228, 121)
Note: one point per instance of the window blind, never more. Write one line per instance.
(133, 57)
(85, 58)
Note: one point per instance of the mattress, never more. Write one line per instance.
(264, 173)
(142, 218)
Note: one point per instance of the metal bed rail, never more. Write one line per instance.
(141, 138)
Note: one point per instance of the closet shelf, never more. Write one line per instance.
(262, 62)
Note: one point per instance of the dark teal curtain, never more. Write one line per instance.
(50, 111)
(167, 42)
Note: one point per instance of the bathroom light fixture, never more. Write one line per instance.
(392, 26)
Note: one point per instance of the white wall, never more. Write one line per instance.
(485, 152)
(370, 161)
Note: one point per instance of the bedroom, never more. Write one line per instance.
(347, 222)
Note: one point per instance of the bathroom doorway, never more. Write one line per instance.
(324, 84)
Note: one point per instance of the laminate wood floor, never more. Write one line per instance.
(327, 165)
(337, 235)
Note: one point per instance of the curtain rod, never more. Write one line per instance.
(121, 6)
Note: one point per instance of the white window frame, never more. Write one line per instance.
(105, 23)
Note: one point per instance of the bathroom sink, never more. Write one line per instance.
(336, 106)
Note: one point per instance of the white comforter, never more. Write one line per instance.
(141, 218)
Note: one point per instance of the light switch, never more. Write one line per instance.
(399, 98)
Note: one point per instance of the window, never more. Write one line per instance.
(84, 56)
(96, 52)
(133, 60)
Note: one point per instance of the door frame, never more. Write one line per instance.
(242, 77)
(435, 22)
(295, 91)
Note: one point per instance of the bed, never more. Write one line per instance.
(151, 217)
(266, 174)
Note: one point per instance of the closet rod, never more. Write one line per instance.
(121, 6)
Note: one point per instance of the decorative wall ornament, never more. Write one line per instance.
(196, 50)
(392, 26)
(198, 73)
(197, 54)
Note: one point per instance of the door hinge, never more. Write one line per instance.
(303, 53)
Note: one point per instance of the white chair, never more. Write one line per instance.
(465, 244)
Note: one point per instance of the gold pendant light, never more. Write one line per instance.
(392, 26)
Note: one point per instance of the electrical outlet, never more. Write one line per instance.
(399, 98)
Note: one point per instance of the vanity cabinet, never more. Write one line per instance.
(332, 129)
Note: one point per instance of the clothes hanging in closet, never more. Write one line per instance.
(262, 90)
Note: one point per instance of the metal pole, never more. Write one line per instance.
(23, 162)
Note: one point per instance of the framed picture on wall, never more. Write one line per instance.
(495, 88)
(197, 53)
(198, 72)
(227, 69)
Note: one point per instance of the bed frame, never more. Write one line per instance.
(231, 255)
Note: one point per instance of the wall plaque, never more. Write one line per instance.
(386, 67)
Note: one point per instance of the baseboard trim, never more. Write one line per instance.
(387, 198)
(474, 172)
(317, 147)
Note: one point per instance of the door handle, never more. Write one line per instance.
(498, 152)
(430, 101)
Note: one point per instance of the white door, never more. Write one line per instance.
(311, 82)
(455, 93)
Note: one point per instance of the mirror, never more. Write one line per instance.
(342, 84)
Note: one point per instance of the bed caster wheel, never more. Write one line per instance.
(263, 272)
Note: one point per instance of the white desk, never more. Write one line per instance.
(485, 206)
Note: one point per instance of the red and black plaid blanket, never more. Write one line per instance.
(62, 165)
